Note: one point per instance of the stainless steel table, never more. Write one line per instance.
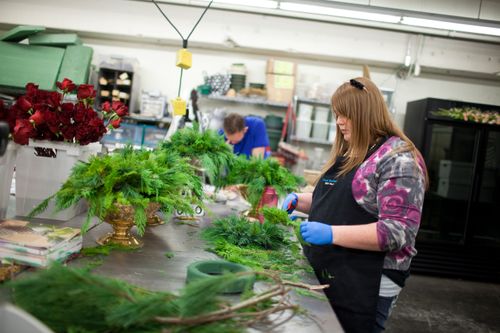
(150, 268)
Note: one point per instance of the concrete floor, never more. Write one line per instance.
(434, 304)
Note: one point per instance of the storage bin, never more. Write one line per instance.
(126, 133)
(41, 168)
(153, 135)
(320, 130)
(303, 129)
(305, 111)
(274, 122)
(7, 162)
(321, 114)
(332, 132)
(274, 138)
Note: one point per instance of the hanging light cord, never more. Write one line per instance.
(184, 40)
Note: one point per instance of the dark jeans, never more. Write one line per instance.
(384, 309)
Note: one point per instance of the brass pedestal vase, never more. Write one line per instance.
(151, 211)
(122, 220)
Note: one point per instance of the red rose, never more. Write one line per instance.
(85, 91)
(54, 99)
(23, 131)
(116, 123)
(66, 85)
(24, 104)
(106, 107)
(52, 121)
(122, 111)
(120, 108)
(37, 118)
(31, 89)
(68, 133)
(67, 108)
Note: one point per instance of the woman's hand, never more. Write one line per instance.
(317, 233)
(290, 203)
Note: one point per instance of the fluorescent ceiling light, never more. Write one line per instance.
(252, 3)
(477, 29)
(322, 10)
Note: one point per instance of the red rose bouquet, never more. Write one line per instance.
(47, 115)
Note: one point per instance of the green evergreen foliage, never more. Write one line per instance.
(75, 300)
(234, 243)
(208, 147)
(258, 173)
(242, 232)
(279, 216)
(129, 177)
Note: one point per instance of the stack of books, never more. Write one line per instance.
(37, 244)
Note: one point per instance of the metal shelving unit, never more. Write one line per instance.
(247, 100)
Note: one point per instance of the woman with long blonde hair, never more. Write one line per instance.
(365, 210)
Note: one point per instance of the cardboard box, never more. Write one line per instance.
(280, 88)
(281, 67)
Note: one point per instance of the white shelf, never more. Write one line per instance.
(311, 140)
(247, 100)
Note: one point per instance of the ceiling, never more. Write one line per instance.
(460, 19)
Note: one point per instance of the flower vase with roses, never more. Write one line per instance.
(49, 115)
(54, 130)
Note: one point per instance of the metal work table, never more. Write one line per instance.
(150, 268)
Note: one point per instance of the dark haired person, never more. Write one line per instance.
(365, 210)
(247, 135)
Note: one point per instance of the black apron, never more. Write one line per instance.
(353, 275)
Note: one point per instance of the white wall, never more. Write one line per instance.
(327, 53)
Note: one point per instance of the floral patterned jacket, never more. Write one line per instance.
(391, 186)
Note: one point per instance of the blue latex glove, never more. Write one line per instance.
(316, 233)
(290, 203)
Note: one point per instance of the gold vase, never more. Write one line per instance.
(122, 220)
(153, 219)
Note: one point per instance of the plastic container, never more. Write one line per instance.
(303, 130)
(126, 133)
(274, 122)
(274, 138)
(305, 111)
(41, 168)
(153, 135)
(332, 132)
(7, 162)
(269, 199)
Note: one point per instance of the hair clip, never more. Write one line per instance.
(357, 84)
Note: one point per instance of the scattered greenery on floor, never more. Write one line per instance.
(104, 250)
(75, 300)
(169, 255)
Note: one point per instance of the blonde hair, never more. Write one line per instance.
(370, 121)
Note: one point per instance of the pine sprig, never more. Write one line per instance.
(207, 147)
(259, 173)
(241, 232)
(74, 300)
(235, 239)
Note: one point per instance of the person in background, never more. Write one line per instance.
(247, 135)
(365, 210)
